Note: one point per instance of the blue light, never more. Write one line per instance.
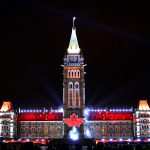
(88, 134)
(73, 134)
(86, 112)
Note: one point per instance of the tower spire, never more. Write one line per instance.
(73, 45)
(73, 21)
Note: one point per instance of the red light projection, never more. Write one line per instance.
(110, 116)
(51, 116)
(74, 121)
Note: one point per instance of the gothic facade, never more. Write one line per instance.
(75, 121)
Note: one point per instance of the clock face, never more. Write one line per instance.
(73, 58)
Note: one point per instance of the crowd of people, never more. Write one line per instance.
(61, 145)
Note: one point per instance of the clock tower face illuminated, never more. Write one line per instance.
(73, 58)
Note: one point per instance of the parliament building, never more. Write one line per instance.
(75, 121)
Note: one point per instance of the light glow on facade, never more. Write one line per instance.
(143, 105)
(74, 134)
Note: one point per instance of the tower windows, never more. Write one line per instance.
(73, 74)
(68, 74)
(70, 94)
(78, 73)
(77, 94)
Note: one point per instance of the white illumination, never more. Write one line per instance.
(27, 140)
(88, 134)
(110, 139)
(86, 112)
(120, 140)
(129, 140)
(4, 141)
(73, 45)
(60, 110)
(74, 135)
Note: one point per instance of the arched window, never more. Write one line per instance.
(78, 73)
(68, 74)
(77, 94)
(70, 94)
(74, 73)
(76, 85)
(70, 85)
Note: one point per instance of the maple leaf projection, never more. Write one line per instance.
(74, 121)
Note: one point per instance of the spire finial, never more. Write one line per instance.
(73, 21)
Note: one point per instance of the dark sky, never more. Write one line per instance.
(114, 37)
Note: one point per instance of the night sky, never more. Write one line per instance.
(113, 36)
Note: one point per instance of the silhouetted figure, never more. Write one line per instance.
(64, 146)
(28, 146)
(3, 146)
(78, 147)
(139, 147)
(50, 147)
(99, 146)
(89, 147)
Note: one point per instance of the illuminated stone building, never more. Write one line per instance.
(8, 122)
(75, 121)
(142, 120)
